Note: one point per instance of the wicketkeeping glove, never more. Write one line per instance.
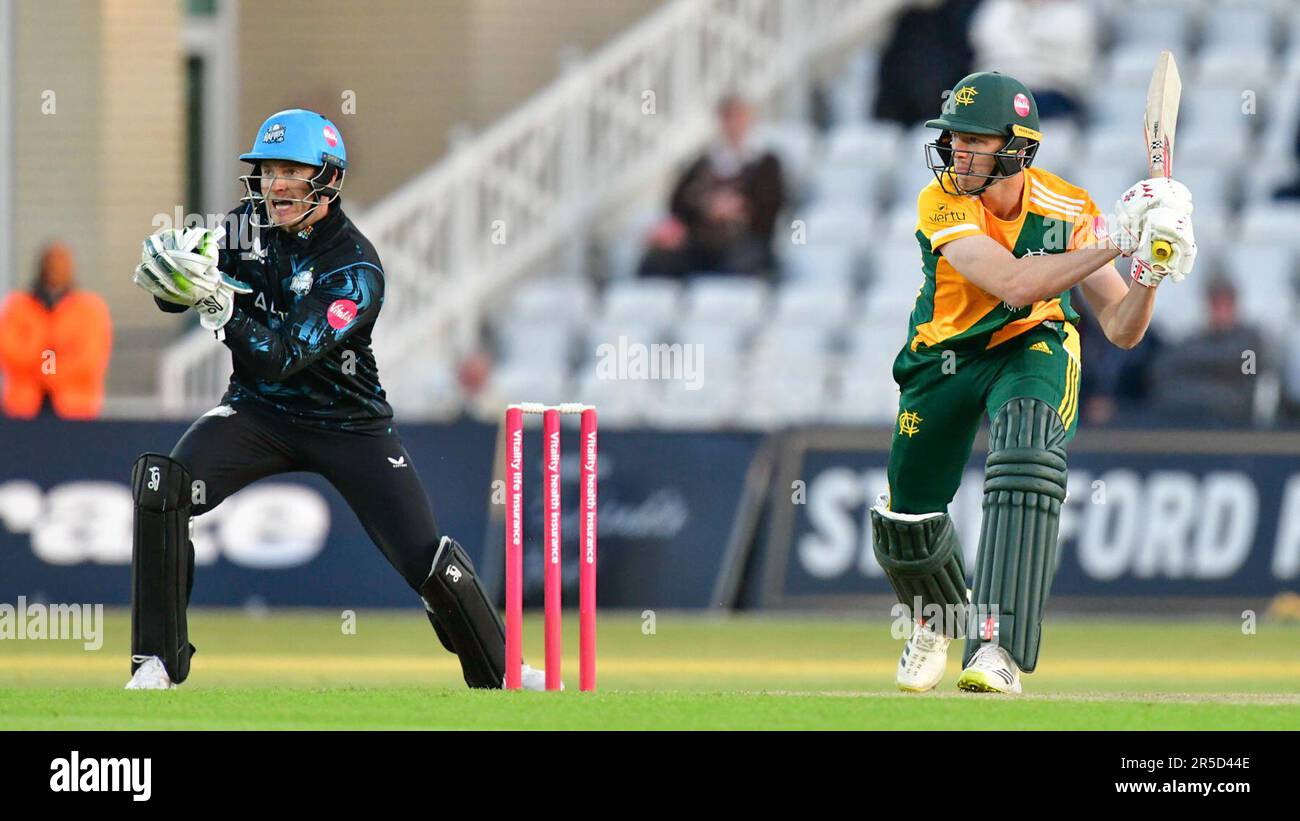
(1175, 228)
(1133, 205)
(160, 286)
(174, 261)
(217, 306)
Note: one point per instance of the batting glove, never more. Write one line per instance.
(1175, 228)
(1133, 205)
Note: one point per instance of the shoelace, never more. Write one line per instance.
(926, 639)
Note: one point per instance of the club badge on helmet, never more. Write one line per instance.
(986, 103)
(300, 136)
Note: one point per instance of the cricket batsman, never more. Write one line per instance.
(993, 331)
(297, 310)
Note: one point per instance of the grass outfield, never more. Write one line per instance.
(298, 670)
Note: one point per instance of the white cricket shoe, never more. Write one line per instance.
(991, 670)
(150, 675)
(530, 678)
(925, 656)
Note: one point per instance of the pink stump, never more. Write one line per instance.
(514, 478)
(587, 542)
(552, 541)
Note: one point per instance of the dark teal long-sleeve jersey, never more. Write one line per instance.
(301, 341)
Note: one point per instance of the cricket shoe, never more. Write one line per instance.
(990, 671)
(150, 675)
(924, 659)
(530, 678)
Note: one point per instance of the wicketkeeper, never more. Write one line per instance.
(993, 332)
(294, 294)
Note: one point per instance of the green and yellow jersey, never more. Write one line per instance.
(953, 313)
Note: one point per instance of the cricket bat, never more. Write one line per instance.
(1159, 125)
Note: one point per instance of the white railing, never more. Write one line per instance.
(194, 373)
(502, 202)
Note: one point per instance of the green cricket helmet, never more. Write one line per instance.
(986, 103)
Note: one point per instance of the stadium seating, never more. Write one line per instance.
(1151, 26)
(1180, 309)
(726, 300)
(715, 340)
(817, 346)
(644, 301)
(821, 263)
(813, 302)
(538, 341)
(1060, 147)
(847, 184)
(849, 225)
(716, 404)
(1238, 25)
(795, 144)
(1265, 285)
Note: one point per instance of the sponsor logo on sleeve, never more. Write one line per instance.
(341, 313)
(943, 215)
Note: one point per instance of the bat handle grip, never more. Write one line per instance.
(1161, 250)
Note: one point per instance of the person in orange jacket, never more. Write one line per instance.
(55, 342)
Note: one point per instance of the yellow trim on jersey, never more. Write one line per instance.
(1052, 204)
(965, 227)
(1069, 407)
(1070, 402)
(1071, 343)
(959, 304)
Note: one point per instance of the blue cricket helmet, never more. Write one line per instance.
(299, 136)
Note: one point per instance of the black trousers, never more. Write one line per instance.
(227, 451)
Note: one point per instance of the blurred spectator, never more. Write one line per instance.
(927, 53)
(1116, 383)
(1291, 190)
(1203, 380)
(723, 208)
(55, 342)
(473, 373)
(1049, 45)
(1289, 402)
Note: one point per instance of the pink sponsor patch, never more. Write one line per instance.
(330, 136)
(341, 313)
(1021, 102)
